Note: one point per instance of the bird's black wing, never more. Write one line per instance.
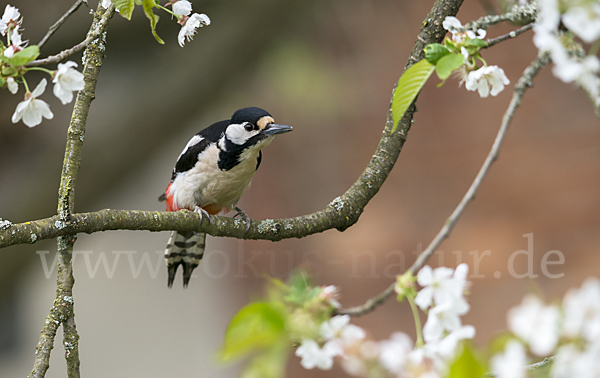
(189, 157)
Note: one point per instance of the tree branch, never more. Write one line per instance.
(341, 213)
(62, 311)
(60, 21)
(518, 14)
(491, 42)
(100, 26)
(522, 85)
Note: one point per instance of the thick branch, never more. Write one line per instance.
(62, 311)
(522, 85)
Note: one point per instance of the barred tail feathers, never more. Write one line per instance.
(185, 249)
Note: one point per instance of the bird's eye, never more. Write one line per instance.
(248, 127)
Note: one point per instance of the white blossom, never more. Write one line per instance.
(480, 34)
(106, 3)
(188, 30)
(451, 24)
(487, 80)
(12, 85)
(536, 324)
(572, 361)
(465, 53)
(588, 78)
(584, 21)
(339, 333)
(330, 294)
(441, 350)
(363, 360)
(314, 356)
(446, 347)
(442, 285)
(395, 351)
(66, 80)
(548, 41)
(31, 110)
(182, 8)
(11, 16)
(548, 17)
(581, 312)
(510, 363)
(460, 279)
(436, 286)
(16, 44)
(441, 318)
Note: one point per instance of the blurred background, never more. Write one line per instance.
(327, 68)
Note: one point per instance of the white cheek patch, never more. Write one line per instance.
(238, 135)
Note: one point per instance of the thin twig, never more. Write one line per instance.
(491, 42)
(60, 21)
(62, 311)
(520, 14)
(545, 362)
(520, 88)
(92, 35)
(524, 82)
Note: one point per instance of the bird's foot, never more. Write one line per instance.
(242, 214)
(203, 214)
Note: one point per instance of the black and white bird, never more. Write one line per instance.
(211, 174)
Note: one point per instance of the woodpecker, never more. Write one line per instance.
(211, 174)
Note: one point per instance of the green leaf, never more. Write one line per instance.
(409, 85)
(270, 363)
(20, 58)
(475, 42)
(125, 7)
(468, 364)
(9, 71)
(449, 43)
(435, 51)
(254, 327)
(448, 64)
(148, 5)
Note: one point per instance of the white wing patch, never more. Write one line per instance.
(195, 140)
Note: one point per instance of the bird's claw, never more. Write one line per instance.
(203, 213)
(242, 214)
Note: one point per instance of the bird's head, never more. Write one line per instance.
(251, 127)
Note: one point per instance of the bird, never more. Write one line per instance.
(211, 174)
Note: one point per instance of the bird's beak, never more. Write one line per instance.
(274, 129)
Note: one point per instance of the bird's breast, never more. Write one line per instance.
(206, 185)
